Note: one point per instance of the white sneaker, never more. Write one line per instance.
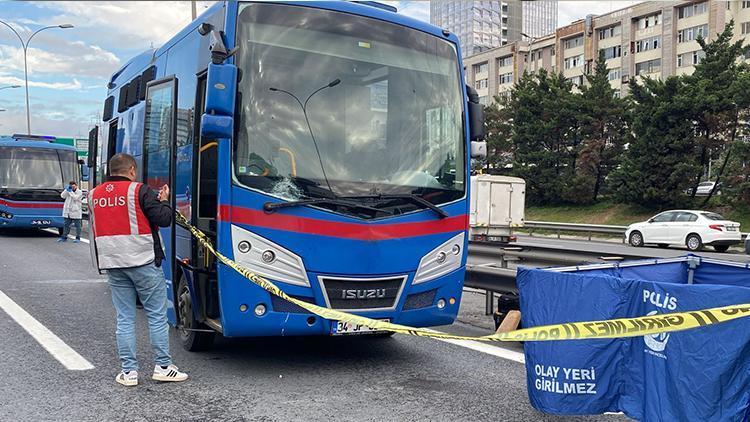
(170, 373)
(128, 379)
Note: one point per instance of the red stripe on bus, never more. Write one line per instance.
(20, 204)
(371, 231)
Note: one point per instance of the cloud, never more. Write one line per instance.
(12, 80)
(569, 11)
(136, 22)
(70, 58)
(44, 121)
(415, 9)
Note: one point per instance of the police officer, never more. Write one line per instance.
(125, 219)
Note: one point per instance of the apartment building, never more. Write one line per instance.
(655, 39)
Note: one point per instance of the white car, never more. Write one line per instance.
(693, 229)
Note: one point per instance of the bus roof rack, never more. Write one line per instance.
(25, 137)
(379, 5)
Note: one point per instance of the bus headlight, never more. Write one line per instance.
(267, 259)
(6, 215)
(441, 260)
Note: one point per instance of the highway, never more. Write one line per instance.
(265, 379)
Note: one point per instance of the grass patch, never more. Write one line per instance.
(619, 214)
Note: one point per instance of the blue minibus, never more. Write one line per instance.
(324, 145)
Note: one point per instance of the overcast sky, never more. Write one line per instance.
(69, 68)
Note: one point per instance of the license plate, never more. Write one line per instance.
(40, 222)
(731, 229)
(343, 328)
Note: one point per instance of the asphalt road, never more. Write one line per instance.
(266, 379)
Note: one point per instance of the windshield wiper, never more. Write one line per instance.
(273, 206)
(414, 199)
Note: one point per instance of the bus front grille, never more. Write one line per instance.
(362, 293)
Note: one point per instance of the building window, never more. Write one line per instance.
(505, 95)
(573, 42)
(483, 100)
(649, 66)
(505, 61)
(481, 68)
(745, 28)
(610, 32)
(647, 44)
(695, 9)
(649, 21)
(614, 74)
(617, 93)
(690, 34)
(611, 52)
(552, 51)
(576, 80)
(575, 61)
(481, 84)
(690, 59)
(505, 78)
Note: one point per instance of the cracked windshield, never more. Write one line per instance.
(333, 107)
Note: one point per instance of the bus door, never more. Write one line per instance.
(205, 209)
(159, 151)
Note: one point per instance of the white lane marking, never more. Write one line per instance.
(64, 354)
(488, 349)
(53, 231)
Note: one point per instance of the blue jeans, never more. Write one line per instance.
(66, 227)
(148, 283)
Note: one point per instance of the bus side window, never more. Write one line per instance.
(111, 145)
(158, 133)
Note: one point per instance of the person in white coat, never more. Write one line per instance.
(72, 211)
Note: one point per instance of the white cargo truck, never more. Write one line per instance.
(497, 207)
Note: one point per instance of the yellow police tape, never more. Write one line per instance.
(612, 328)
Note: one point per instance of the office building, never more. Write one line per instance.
(539, 18)
(480, 25)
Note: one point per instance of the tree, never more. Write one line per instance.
(718, 92)
(661, 159)
(604, 125)
(543, 118)
(499, 127)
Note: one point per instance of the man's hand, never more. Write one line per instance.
(164, 193)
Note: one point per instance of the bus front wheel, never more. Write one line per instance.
(192, 339)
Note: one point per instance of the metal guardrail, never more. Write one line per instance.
(489, 270)
(589, 229)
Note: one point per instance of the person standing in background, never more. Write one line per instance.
(72, 211)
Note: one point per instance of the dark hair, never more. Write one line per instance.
(72, 182)
(119, 164)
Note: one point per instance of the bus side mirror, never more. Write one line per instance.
(476, 124)
(221, 87)
(93, 147)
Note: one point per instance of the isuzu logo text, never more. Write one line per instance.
(362, 293)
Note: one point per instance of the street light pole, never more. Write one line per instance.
(531, 49)
(25, 46)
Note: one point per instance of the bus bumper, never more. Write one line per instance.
(10, 220)
(431, 303)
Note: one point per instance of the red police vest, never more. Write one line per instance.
(122, 233)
